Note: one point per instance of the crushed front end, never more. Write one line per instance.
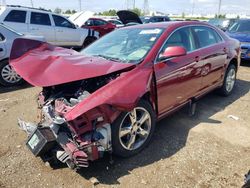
(74, 142)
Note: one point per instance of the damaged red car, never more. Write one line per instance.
(109, 96)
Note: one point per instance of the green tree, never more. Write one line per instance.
(138, 11)
(68, 11)
(73, 11)
(58, 10)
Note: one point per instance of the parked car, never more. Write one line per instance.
(56, 29)
(223, 24)
(118, 23)
(8, 76)
(113, 92)
(100, 25)
(154, 19)
(240, 30)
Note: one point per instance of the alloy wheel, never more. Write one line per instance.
(230, 80)
(135, 128)
(9, 74)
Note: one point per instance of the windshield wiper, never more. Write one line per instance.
(108, 58)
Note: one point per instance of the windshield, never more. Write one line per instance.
(240, 26)
(12, 30)
(124, 45)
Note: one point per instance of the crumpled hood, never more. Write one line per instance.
(242, 37)
(42, 64)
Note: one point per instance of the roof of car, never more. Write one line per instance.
(168, 24)
(25, 8)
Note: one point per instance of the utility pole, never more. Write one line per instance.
(31, 2)
(193, 6)
(80, 5)
(146, 7)
(134, 4)
(219, 8)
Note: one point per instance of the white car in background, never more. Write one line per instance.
(56, 29)
(8, 76)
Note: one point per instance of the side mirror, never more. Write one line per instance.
(173, 51)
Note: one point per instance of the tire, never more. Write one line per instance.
(123, 133)
(8, 76)
(229, 81)
(88, 41)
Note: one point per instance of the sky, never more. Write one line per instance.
(166, 6)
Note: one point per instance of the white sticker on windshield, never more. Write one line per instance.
(152, 39)
(150, 31)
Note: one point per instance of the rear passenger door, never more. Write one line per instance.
(66, 33)
(17, 19)
(40, 24)
(213, 54)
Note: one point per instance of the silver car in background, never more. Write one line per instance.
(8, 76)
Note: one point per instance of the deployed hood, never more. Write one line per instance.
(42, 64)
(242, 37)
(128, 17)
(80, 18)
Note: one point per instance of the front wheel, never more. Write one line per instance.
(229, 81)
(132, 131)
(8, 76)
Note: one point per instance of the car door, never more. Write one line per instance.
(40, 24)
(103, 27)
(66, 32)
(178, 79)
(17, 19)
(213, 54)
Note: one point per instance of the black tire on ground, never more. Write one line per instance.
(88, 41)
(223, 89)
(3, 81)
(118, 148)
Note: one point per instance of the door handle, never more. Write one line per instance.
(34, 29)
(1, 49)
(197, 58)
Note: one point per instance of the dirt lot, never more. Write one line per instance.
(208, 150)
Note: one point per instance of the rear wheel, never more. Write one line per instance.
(132, 131)
(8, 76)
(229, 81)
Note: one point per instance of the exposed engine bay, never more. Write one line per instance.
(76, 142)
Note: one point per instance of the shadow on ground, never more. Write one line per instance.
(170, 136)
(13, 88)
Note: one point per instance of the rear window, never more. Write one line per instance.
(40, 18)
(16, 16)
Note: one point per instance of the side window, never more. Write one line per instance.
(206, 36)
(40, 18)
(1, 37)
(16, 16)
(89, 23)
(62, 22)
(182, 37)
(99, 22)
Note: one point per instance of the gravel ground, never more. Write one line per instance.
(207, 150)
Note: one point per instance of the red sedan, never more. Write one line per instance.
(99, 25)
(108, 97)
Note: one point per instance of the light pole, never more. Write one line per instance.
(219, 7)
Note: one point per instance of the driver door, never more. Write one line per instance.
(179, 78)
